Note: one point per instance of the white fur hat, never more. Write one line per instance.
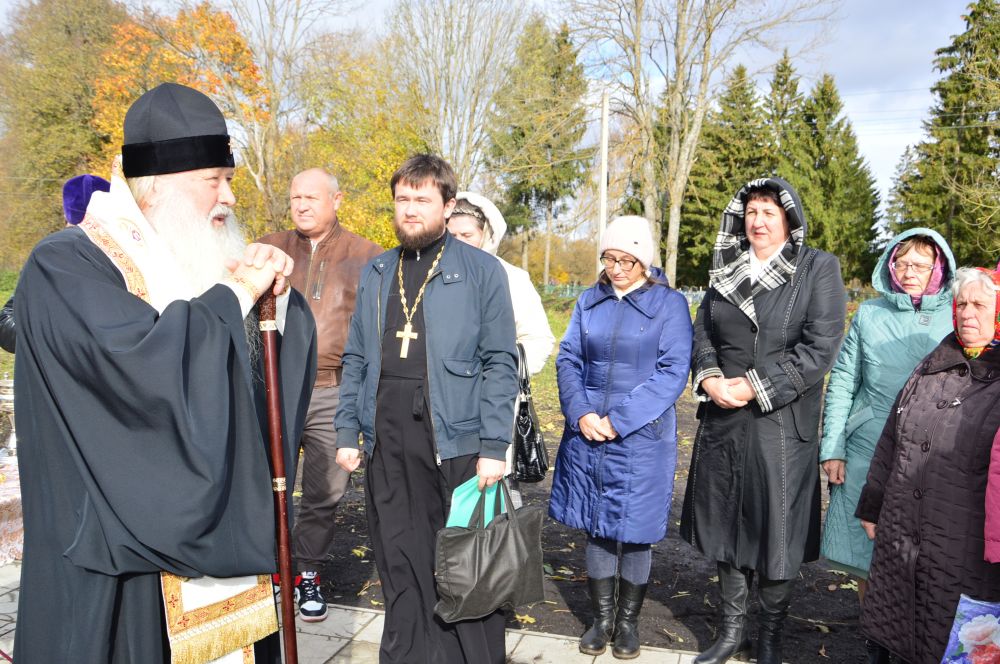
(631, 235)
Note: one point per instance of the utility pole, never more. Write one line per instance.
(602, 214)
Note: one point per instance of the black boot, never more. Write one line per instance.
(602, 601)
(774, 599)
(733, 639)
(630, 598)
(876, 653)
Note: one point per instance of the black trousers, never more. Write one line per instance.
(407, 498)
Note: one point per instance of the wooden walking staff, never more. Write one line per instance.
(269, 338)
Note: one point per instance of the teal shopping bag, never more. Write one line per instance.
(464, 499)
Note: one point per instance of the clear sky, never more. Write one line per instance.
(879, 51)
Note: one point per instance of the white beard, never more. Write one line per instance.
(200, 248)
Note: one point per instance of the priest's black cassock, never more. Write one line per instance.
(141, 450)
(408, 493)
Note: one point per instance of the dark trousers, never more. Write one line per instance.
(407, 496)
(323, 483)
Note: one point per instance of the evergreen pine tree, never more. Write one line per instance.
(539, 122)
(961, 153)
(840, 197)
(783, 114)
(731, 153)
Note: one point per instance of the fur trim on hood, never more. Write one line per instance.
(496, 227)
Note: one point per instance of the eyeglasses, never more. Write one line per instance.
(918, 268)
(626, 263)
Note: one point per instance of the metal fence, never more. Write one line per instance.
(694, 295)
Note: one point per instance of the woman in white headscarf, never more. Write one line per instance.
(476, 221)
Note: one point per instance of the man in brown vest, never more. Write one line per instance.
(328, 261)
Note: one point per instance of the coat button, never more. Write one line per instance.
(753, 328)
(963, 371)
(916, 538)
(942, 404)
(917, 494)
(924, 446)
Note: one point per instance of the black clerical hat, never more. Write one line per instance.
(174, 128)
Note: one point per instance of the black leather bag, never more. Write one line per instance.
(531, 459)
(480, 569)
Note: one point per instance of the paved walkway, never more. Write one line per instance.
(351, 636)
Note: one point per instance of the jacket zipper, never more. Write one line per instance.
(378, 336)
(748, 422)
(607, 398)
(427, 368)
(611, 360)
(312, 253)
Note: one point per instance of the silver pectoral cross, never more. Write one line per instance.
(405, 334)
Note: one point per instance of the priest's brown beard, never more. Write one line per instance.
(418, 239)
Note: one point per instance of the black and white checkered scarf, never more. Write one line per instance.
(730, 272)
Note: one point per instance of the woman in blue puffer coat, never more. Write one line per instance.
(622, 365)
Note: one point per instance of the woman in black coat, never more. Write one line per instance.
(766, 333)
(926, 487)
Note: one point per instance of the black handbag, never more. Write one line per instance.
(531, 459)
(480, 569)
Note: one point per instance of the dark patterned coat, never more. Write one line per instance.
(753, 495)
(926, 490)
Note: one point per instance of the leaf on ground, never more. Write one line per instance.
(850, 585)
(360, 551)
(713, 579)
(673, 637)
(683, 593)
(375, 602)
(565, 570)
(832, 587)
(547, 568)
(823, 628)
(822, 652)
(526, 619)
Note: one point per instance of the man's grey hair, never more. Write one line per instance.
(333, 182)
(141, 188)
(966, 276)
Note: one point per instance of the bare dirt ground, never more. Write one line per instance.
(680, 606)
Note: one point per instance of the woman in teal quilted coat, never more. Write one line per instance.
(887, 339)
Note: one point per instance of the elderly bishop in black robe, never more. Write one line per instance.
(148, 513)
